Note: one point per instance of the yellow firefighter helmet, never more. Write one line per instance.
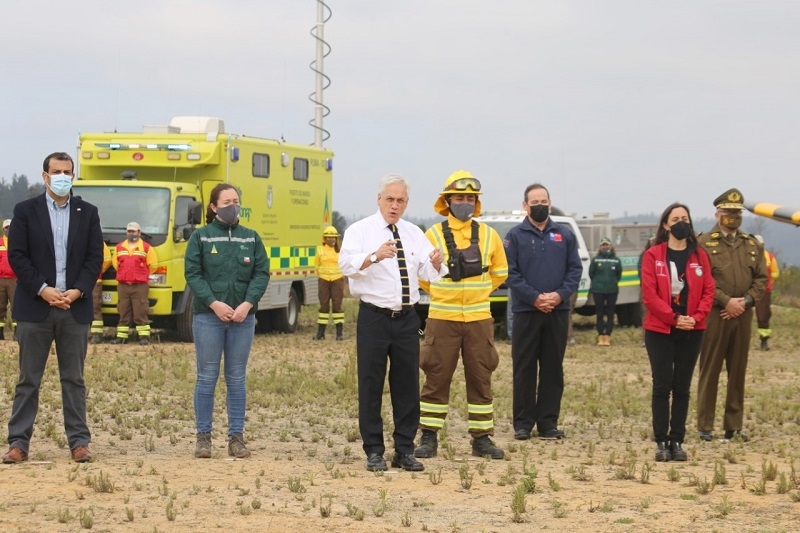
(329, 231)
(459, 182)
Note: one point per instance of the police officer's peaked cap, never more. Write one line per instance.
(730, 199)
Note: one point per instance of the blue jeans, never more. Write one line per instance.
(212, 338)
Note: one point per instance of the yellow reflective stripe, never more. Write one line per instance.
(431, 422)
(481, 424)
(468, 284)
(480, 409)
(481, 306)
(433, 407)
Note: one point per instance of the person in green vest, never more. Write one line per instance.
(605, 271)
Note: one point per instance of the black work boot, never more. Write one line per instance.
(764, 344)
(483, 447)
(677, 453)
(339, 332)
(320, 332)
(428, 444)
(663, 453)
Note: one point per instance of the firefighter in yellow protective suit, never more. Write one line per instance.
(331, 284)
(764, 305)
(460, 319)
(96, 332)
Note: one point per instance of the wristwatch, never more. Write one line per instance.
(373, 257)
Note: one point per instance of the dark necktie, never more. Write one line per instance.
(401, 262)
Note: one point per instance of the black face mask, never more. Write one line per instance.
(539, 213)
(680, 230)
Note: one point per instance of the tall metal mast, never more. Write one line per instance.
(322, 81)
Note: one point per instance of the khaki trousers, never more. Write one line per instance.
(132, 307)
(97, 305)
(725, 341)
(7, 288)
(331, 292)
(444, 342)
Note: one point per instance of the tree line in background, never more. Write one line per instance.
(787, 287)
(14, 191)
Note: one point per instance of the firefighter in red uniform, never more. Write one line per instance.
(134, 261)
(8, 281)
(96, 332)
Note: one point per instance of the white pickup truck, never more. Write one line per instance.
(502, 222)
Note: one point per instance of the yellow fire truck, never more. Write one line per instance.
(162, 177)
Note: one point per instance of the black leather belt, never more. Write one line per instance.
(391, 313)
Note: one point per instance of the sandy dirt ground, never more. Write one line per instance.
(307, 470)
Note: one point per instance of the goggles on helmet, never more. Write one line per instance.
(463, 185)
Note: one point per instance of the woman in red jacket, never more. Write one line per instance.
(678, 292)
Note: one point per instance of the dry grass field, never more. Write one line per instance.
(307, 470)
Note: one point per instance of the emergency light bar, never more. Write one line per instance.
(136, 146)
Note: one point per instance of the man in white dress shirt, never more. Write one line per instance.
(383, 256)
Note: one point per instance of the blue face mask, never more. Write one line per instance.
(60, 184)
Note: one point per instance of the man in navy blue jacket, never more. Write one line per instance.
(56, 252)
(544, 269)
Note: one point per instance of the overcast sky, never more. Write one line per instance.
(618, 106)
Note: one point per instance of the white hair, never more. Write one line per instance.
(390, 179)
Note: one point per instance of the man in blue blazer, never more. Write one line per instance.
(56, 251)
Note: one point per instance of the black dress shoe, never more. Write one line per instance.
(522, 434)
(407, 462)
(376, 462)
(552, 434)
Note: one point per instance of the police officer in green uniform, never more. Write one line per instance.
(740, 274)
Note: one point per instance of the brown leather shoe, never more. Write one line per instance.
(81, 454)
(15, 455)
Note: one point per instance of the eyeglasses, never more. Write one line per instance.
(464, 184)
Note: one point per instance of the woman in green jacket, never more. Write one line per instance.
(605, 272)
(227, 270)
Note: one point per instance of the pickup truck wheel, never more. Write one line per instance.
(630, 315)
